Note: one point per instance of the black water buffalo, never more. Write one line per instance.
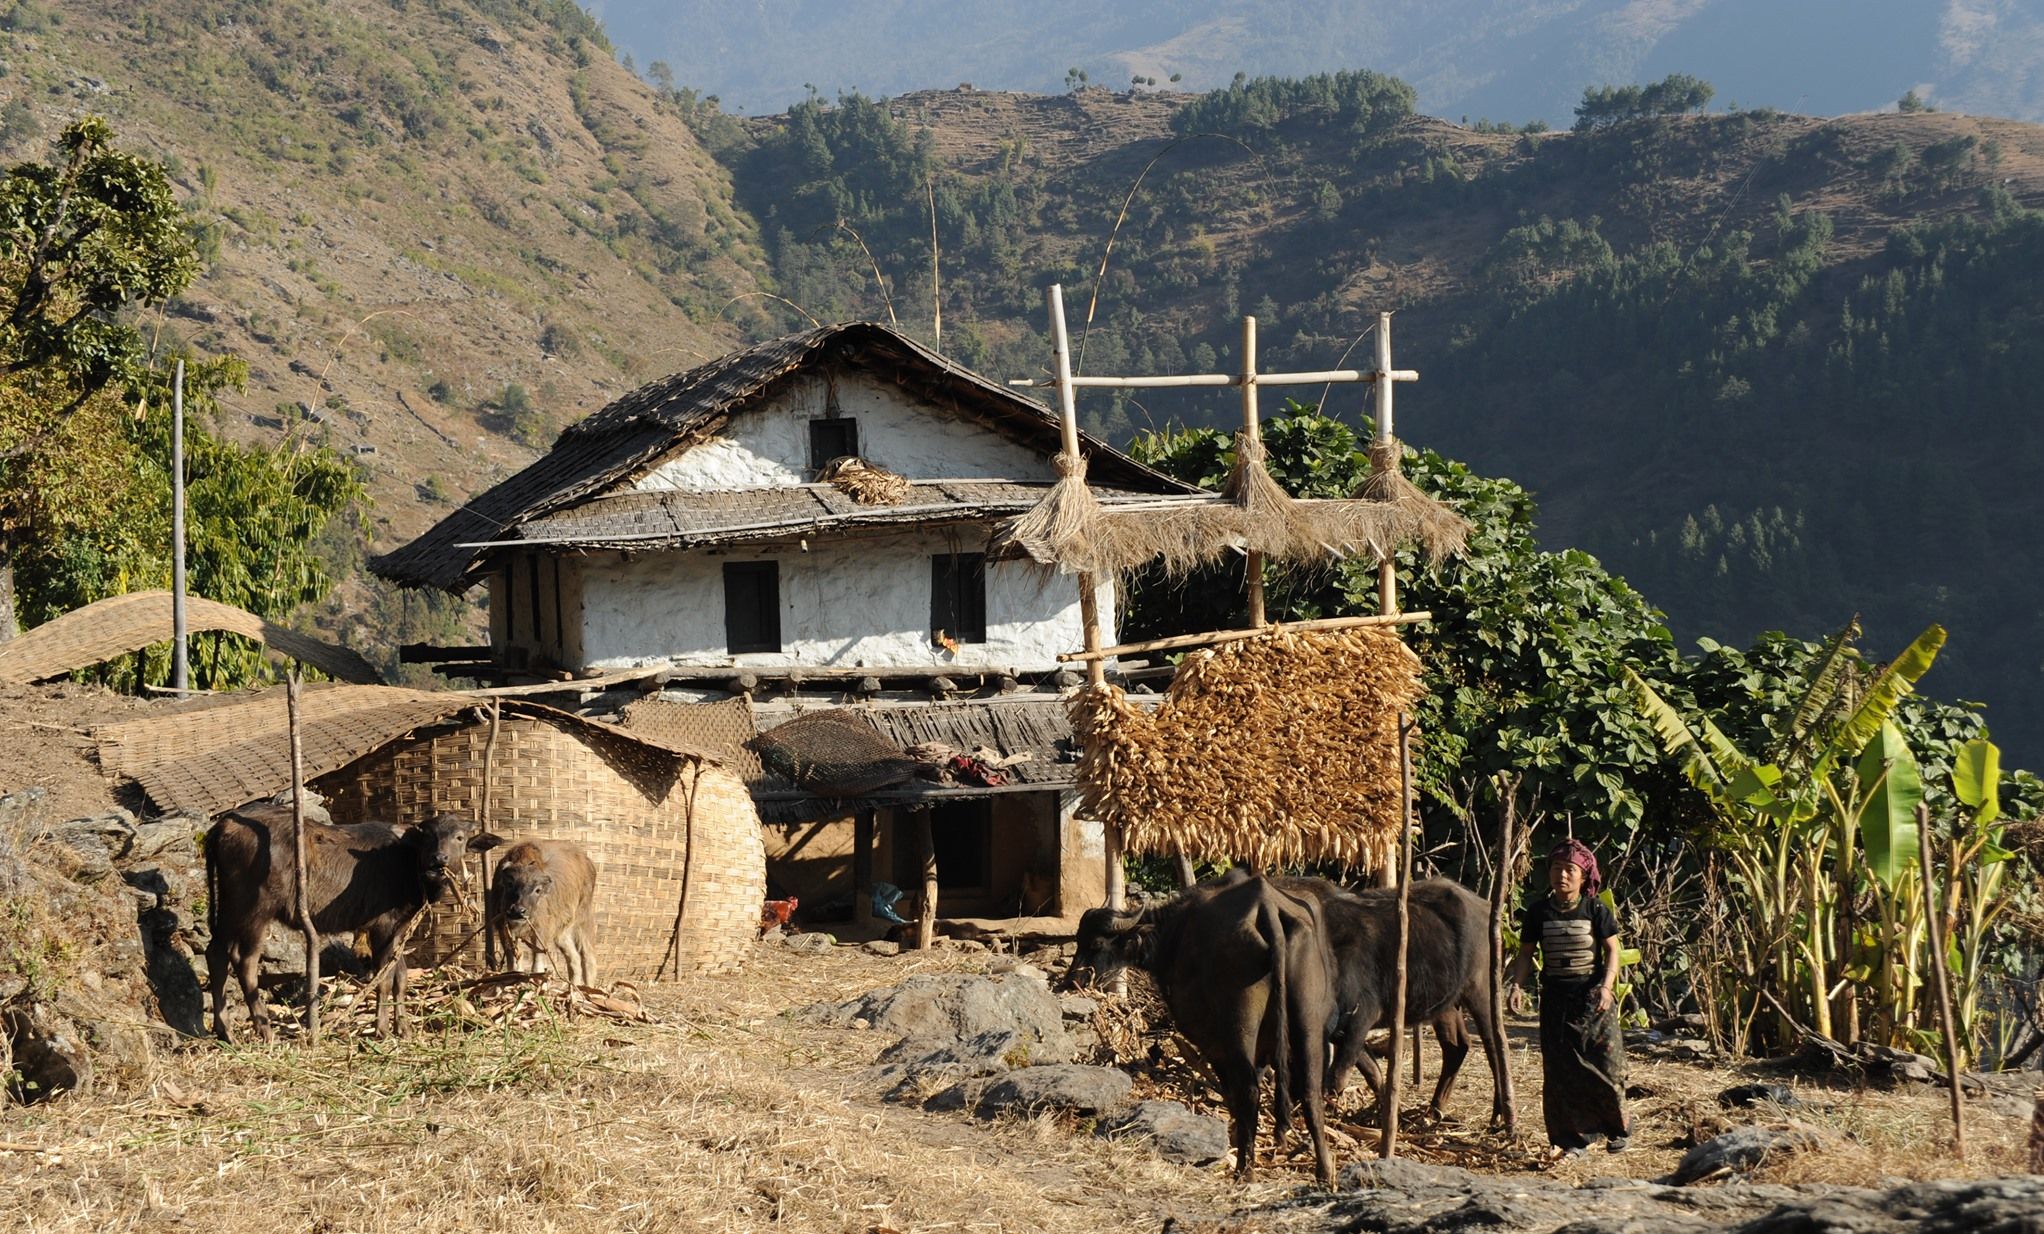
(1245, 971)
(543, 898)
(368, 878)
(1448, 977)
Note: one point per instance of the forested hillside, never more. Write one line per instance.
(1771, 368)
(1774, 369)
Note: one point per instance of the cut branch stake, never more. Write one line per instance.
(1932, 919)
(1387, 1144)
(305, 924)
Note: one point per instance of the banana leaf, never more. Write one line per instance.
(1976, 777)
(1891, 786)
(1884, 692)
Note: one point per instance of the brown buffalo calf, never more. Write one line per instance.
(369, 878)
(542, 898)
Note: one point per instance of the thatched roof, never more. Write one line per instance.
(224, 751)
(641, 429)
(122, 624)
(677, 520)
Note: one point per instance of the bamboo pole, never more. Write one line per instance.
(483, 821)
(1339, 376)
(181, 633)
(926, 849)
(1937, 963)
(1089, 598)
(1387, 1144)
(1500, 904)
(1252, 437)
(1232, 636)
(305, 923)
(1387, 570)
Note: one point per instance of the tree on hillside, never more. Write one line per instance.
(1525, 653)
(85, 240)
(1674, 95)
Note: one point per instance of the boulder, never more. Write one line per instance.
(1739, 1150)
(1069, 1087)
(1174, 1132)
(938, 1008)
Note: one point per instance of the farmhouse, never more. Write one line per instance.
(805, 524)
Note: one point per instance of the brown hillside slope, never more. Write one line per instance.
(410, 207)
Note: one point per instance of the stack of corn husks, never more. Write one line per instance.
(1275, 750)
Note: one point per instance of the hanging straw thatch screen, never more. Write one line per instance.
(1072, 530)
(1274, 750)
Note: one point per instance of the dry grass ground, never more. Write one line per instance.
(730, 1114)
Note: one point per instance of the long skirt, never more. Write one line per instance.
(1582, 1056)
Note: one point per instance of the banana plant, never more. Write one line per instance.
(1788, 825)
(1977, 865)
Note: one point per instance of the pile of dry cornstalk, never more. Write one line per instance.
(1275, 750)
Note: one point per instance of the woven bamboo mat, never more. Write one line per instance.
(123, 624)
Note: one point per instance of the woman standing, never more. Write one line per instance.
(1582, 1052)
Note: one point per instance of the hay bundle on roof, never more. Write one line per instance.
(1274, 750)
(864, 482)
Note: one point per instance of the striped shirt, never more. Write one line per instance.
(1571, 941)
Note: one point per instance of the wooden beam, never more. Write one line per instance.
(926, 849)
(864, 824)
(1231, 636)
(1387, 1143)
(579, 683)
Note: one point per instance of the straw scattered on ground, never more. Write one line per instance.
(723, 1112)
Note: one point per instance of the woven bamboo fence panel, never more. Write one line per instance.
(1276, 750)
(655, 826)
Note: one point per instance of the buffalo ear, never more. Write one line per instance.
(484, 841)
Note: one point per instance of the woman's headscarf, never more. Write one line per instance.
(1578, 853)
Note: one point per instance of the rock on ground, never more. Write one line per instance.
(942, 1008)
(1068, 1087)
(1175, 1133)
(1740, 1149)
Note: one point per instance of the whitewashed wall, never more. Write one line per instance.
(769, 447)
(862, 603)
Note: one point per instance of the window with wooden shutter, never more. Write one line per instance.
(958, 597)
(752, 606)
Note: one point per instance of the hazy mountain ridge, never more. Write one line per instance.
(1505, 59)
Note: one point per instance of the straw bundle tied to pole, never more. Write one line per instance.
(1275, 750)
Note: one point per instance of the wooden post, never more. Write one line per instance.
(926, 848)
(1387, 1144)
(483, 821)
(864, 824)
(1186, 877)
(180, 651)
(1500, 904)
(1387, 570)
(1089, 600)
(305, 924)
(1252, 436)
(1933, 920)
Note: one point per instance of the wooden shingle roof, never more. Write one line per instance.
(643, 427)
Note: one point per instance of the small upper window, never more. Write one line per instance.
(958, 597)
(837, 437)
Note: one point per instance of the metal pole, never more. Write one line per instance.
(1387, 1144)
(1252, 437)
(1089, 601)
(180, 661)
(1933, 915)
